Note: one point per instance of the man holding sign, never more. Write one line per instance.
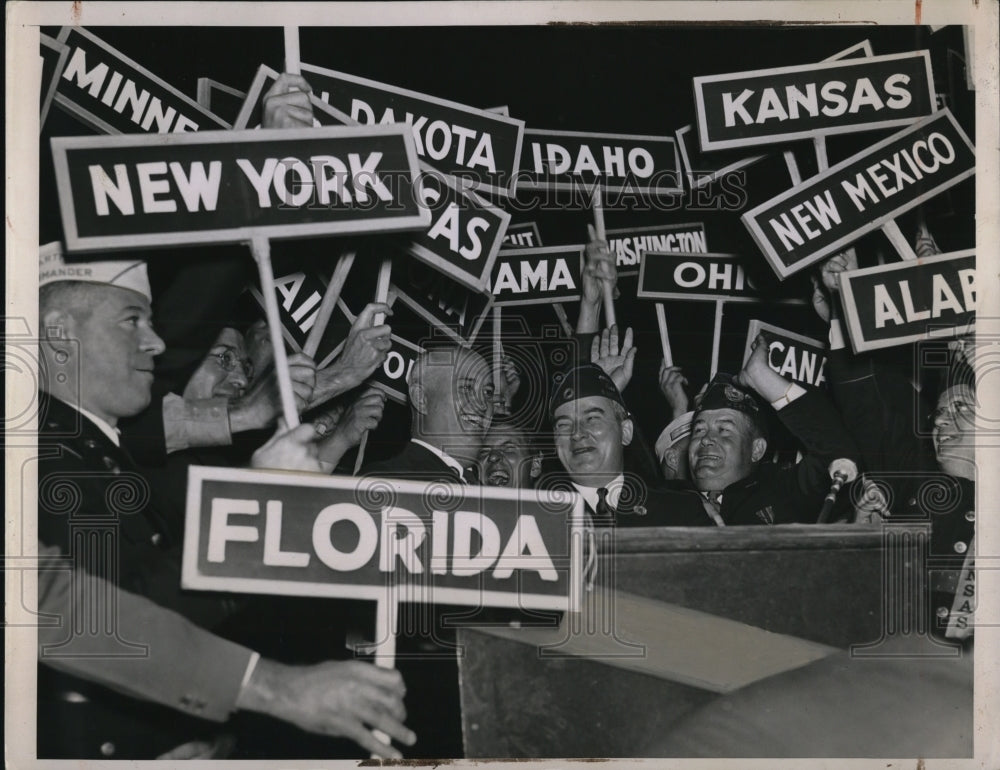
(98, 353)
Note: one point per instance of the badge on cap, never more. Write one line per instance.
(124, 273)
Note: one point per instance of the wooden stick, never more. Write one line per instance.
(292, 50)
(661, 319)
(560, 312)
(822, 164)
(497, 351)
(609, 300)
(330, 298)
(360, 459)
(898, 240)
(382, 289)
(793, 167)
(260, 247)
(386, 615)
(716, 337)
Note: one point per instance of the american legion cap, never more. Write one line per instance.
(676, 431)
(583, 381)
(724, 392)
(123, 273)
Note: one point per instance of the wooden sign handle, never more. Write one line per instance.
(609, 299)
(898, 240)
(716, 338)
(326, 307)
(386, 614)
(381, 295)
(661, 320)
(260, 247)
(292, 58)
(560, 312)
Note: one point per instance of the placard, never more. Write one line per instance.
(628, 243)
(447, 305)
(574, 160)
(114, 95)
(465, 232)
(53, 55)
(476, 146)
(220, 99)
(903, 302)
(537, 276)
(523, 235)
(299, 534)
(794, 356)
(831, 210)
(782, 104)
(691, 276)
(121, 192)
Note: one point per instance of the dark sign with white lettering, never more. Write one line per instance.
(391, 376)
(793, 356)
(255, 531)
(537, 276)
(573, 160)
(446, 304)
(694, 276)
(523, 235)
(119, 192)
(831, 210)
(746, 109)
(53, 55)
(903, 302)
(299, 294)
(476, 146)
(465, 231)
(629, 243)
(113, 94)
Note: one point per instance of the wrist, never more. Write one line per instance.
(260, 692)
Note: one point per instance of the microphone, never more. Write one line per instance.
(842, 471)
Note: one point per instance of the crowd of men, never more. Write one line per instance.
(110, 418)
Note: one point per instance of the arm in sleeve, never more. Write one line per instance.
(186, 667)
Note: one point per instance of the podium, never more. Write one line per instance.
(676, 617)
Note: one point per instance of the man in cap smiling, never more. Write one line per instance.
(592, 428)
(729, 441)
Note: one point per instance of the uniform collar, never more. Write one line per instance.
(113, 434)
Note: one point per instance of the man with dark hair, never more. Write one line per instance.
(729, 443)
(592, 427)
(508, 457)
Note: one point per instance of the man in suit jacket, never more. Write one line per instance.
(97, 352)
(592, 428)
(451, 405)
(729, 443)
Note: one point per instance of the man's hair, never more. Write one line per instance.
(78, 298)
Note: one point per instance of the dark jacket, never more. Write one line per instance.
(414, 463)
(95, 507)
(775, 494)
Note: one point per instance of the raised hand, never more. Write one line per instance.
(617, 362)
(286, 103)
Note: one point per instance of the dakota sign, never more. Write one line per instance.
(537, 276)
(571, 160)
(694, 276)
(309, 535)
(831, 210)
(783, 104)
(465, 232)
(799, 358)
(218, 186)
(480, 147)
(111, 93)
(629, 243)
(909, 301)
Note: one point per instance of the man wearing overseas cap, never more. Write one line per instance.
(729, 441)
(592, 428)
(97, 347)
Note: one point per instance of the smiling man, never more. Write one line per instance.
(508, 457)
(592, 427)
(728, 446)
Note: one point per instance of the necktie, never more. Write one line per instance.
(713, 507)
(604, 513)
